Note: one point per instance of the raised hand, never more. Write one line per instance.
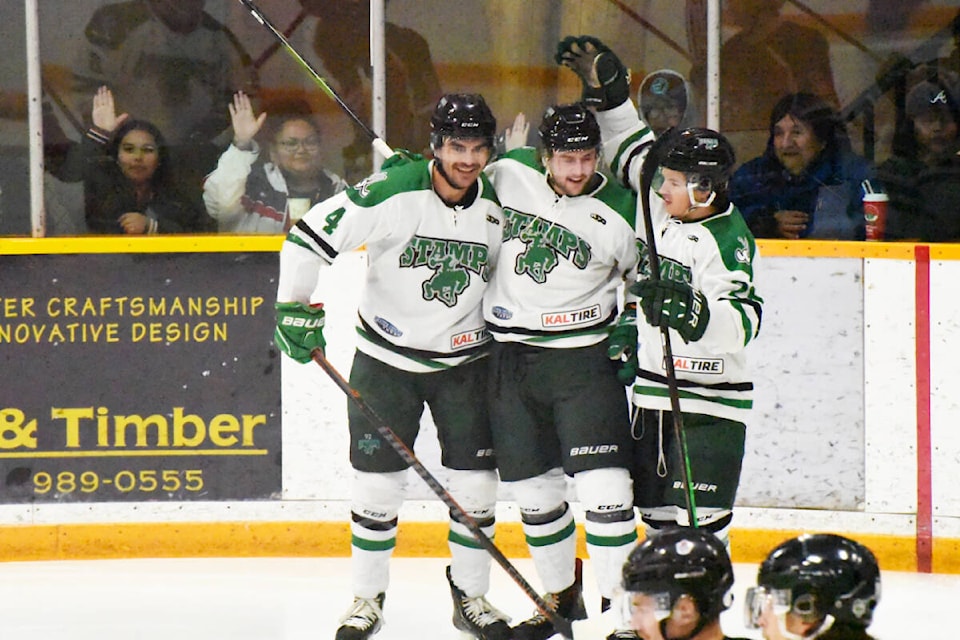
(515, 136)
(245, 123)
(104, 113)
(606, 82)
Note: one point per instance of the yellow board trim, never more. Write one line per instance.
(142, 244)
(332, 539)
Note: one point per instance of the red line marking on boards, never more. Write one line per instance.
(924, 449)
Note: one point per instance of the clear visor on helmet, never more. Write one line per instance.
(638, 603)
(757, 599)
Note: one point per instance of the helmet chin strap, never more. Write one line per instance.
(810, 635)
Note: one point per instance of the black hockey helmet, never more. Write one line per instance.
(701, 153)
(826, 574)
(569, 127)
(682, 560)
(462, 115)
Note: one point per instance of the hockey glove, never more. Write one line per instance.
(606, 82)
(399, 157)
(299, 329)
(677, 305)
(622, 345)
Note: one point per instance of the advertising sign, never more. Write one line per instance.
(136, 377)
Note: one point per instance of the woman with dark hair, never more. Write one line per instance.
(126, 171)
(922, 176)
(807, 184)
(266, 190)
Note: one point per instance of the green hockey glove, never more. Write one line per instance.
(622, 345)
(606, 82)
(399, 157)
(299, 329)
(677, 305)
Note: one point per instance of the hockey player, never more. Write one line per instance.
(820, 586)
(556, 406)
(705, 296)
(432, 231)
(677, 584)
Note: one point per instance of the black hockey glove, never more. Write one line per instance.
(606, 82)
(622, 345)
(677, 305)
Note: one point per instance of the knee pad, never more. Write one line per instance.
(475, 491)
(378, 496)
(541, 495)
(716, 521)
(605, 492)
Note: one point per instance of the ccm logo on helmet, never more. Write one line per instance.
(306, 323)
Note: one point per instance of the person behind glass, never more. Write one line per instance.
(807, 184)
(676, 585)
(171, 63)
(254, 192)
(822, 586)
(922, 176)
(127, 179)
(432, 231)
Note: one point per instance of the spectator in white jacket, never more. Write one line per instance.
(253, 192)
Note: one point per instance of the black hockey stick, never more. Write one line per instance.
(378, 143)
(650, 164)
(561, 624)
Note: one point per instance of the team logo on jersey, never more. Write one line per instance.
(670, 269)
(387, 327)
(452, 262)
(712, 366)
(546, 243)
(742, 252)
(469, 338)
(502, 313)
(570, 318)
(368, 444)
(363, 187)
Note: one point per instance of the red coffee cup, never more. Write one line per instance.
(875, 214)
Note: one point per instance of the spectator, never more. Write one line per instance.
(807, 184)
(174, 65)
(677, 584)
(922, 176)
(769, 57)
(342, 41)
(248, 193)
(125, 165)
(820, 586)
(664, 101)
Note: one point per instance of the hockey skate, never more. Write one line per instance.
(476, 617)
(363, 619)
(568, 603)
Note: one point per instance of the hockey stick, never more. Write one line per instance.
(273, 48)
(561, 624)
(378, 143)
(650, 164)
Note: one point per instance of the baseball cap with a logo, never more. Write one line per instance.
(928, 95)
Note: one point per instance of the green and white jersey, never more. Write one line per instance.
(429, 265)
(717, 256)
(562, 260)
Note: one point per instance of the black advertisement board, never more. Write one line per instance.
(139, 377)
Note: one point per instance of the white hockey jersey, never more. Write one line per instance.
(716, 255)
(429, 265)
(562, 260)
